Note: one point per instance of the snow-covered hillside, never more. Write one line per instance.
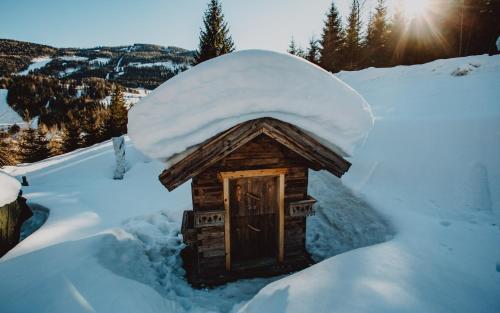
(8, 116)
(429, 171)
(36, 63)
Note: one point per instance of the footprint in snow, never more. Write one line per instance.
(445, 223)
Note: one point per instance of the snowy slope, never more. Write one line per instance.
(36, 63)
(9, 189)
(430, 167)
(8, 116)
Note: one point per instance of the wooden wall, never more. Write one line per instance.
(12, 216)
(262, 152)
(207, 192)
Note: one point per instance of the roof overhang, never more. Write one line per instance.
(212, 150)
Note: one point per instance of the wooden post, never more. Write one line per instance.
(281, 223)
(227, 224)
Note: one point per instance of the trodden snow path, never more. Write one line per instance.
(113, 245)
(430, 167)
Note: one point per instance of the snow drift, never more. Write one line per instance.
(9, 189)
(220, 93)
(8, 116)
(430, 166)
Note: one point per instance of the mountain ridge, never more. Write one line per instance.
(118, 64)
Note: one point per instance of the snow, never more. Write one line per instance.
(168, 64)
(420, 207)
(8, 116)
(36, 63)
(220, 93)
(100, 61)
(131, 97)
(75, 58)
(68, 71)
(430, 165)
(9, 189)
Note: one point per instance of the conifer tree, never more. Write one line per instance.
(294, 49)
(376, 42)
(118, 119)
(332, 41)
(313, 51)
(27, 147)
(397, 37)
(41, 143)
(353, 37)
(92, 126)
(71, 135)
(7, 154)
(214, 37)
(56, 144)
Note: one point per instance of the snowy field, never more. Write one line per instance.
(421, 204)
(8, 116)
(36, 63)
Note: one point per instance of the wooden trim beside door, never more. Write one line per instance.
(253, 173)
(227, 224)
(278, 172)
(281, 218)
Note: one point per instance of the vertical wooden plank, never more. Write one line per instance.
(227, 224)
(281, 214)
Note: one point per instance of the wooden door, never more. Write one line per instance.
(254, 212)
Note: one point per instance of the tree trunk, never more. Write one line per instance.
(119, 147)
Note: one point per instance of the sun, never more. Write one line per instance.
(415, 8)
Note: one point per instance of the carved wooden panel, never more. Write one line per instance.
(303, 207)
(208, 218)
(187, 230)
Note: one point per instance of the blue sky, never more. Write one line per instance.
(253, 23)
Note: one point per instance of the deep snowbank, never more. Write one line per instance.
(9, 189)
(220, 93)
(114, 245)
(430, 167)
(8, 116)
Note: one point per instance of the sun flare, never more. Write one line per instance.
(415, 8)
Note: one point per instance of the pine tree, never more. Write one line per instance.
(71, 135)
(214, 38)
(376, 42)
(313, 51)
(332, 41)
(397, 36)
(56, 144)
(92, 126)
(118, 118)
(27, 147)
(294, 49)
(41, 143)
(353, 37)
(7, 154)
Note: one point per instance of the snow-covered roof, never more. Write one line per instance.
(223, 92)
(9, 189)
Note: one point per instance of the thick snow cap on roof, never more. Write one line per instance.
(9, 189)
(223, 92)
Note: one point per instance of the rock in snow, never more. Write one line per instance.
(220, 93)
(9, 189)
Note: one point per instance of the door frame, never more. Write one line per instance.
(226, 176)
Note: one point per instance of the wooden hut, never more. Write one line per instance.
(245, 128)
(250, 200)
